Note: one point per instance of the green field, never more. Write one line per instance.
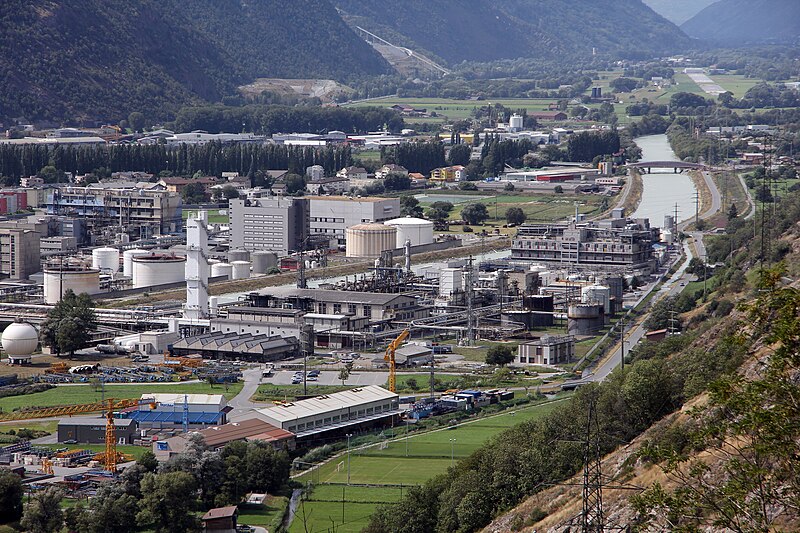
(390, 470)
(269, 514)
(135, 451)
(214, 216)
(79, 394)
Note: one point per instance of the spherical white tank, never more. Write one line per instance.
(417, 230)
(127, 260)
(597, 294)
(241, 269)
(105, 259)
(369, 240)
(20, 340)
(58, 281)
(151, 270)
(222, 269)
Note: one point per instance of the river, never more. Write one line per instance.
(663, 189)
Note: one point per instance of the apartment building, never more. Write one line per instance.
(270, 224)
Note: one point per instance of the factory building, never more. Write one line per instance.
(19, 253)
(332, 215)
(546, 350)
(240, 346)
(269, 224)
(201, 410)
(143, 212)
(334, 414)
(92, 430)
(217, 437)
(616, 243)
(374, 306)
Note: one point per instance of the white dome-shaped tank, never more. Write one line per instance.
(599, 294)
(264, 261)
(127, 260)
(238, 255)
(241, 269)
(58, 280)
(369, 240)
(417, 230)
(19, 340)
(105, 259)
(157, 269)
(222, 269)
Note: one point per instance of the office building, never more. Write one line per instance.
(19, 253)
(332, 215)
(546, 350)
(270, 224)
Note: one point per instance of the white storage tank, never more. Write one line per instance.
(127, 260)
(58, 280)
(263, 261)
(105, 259)
(515, 123)
(157, 269)
(417, 230)
(19, 340)
(241, 269)
(222, 269)
(238, 255)
(369, 240)
(599, 294)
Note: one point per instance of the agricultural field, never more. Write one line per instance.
(79, 394)
(390, 468)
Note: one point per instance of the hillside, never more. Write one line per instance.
(509, 29)
(739, 22)
(102, 59)
(678, 11)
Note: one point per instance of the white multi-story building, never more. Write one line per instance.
(332, 215)
(271, 224)
(547, 350)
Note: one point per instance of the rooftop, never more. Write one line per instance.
(328, 403)
(221, 512)
(333, 296)
(372, 199)
(166, 399)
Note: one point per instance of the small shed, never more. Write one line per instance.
(221, 519)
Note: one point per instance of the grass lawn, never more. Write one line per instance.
(322, 516)
(214, 216)
(269, 514)
(135, 451)
(736, 84)
(79, 394)
(291, 392)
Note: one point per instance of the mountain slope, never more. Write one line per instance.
(102, 59)
(678, 11)
(485, 30)
(737, 22)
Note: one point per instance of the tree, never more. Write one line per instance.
(475, 213)
(515, 215)
(409, 206)
(69, 324)
(396, 181)
(344, 373)
(459, 155)
(509, 187)
(51, 174)
(168, 502)
(194, 193)
(558, 189)
(267, 468)
(230, 193)
(10, 496)
(136, 121)
(623, 85)
(112, 510)
(499, 355)
(294, 183)
(43, 513)
(732, 212)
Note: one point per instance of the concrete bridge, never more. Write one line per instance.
(676, 166)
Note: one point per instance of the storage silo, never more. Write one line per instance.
(241, 269)
(58, 280)
(417, 230)
(584, 319)
(238, 255)
(222, 269)
(369, 240)
(264, 261)
(127, 260)
(105, 259)
(157, 269)
(598, 294)
(515, 122)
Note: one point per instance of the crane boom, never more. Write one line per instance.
(390, 351)
(108, 406)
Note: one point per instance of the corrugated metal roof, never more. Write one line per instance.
(328, 403)
(180, 399)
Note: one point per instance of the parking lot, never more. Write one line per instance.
(327, 377)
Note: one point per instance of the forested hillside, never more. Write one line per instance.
(678, 11)
(739, 22)
(485, 30)
(102, 59)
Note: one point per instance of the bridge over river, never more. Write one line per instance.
(676, 166)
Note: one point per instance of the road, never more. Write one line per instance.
(716, 197)
(752, 212)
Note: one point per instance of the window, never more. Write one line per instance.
(351, 308)
(368, 311)
(337, 309)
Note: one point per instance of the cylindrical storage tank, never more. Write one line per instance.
(515, 123)
(584, 319)
(241, 269)
(57, 281)
(417, 230)
(541, 308)
(105, 259)
(156, 269)
(222, 269)
(127, 260)
(598, 294)
(508, 318)
(263, 262)
(616, 286)
(238, 255)
(369, 240)
(19, 340)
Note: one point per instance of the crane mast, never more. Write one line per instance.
(389, 357)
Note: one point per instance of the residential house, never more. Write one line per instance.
(385, 170)
(455, 173)
(334, 185)
(353, 173)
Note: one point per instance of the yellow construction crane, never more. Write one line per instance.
(110, 457)
(390, 350)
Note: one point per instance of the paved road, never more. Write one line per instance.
(241, 403)
(716, 197)
(749, 197)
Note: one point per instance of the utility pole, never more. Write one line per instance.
(592, 519)
(622, 342)
(696, 207)
(470, 293)
(348, 457)
(452, 449)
